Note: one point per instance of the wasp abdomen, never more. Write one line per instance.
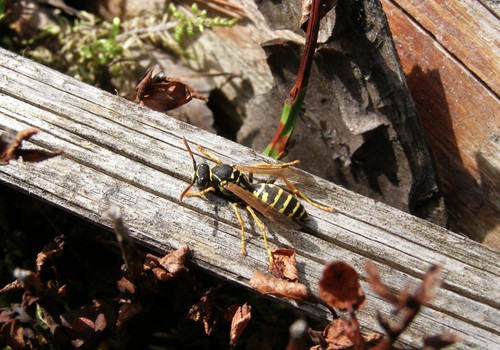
(282, 200)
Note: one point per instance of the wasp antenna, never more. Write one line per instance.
(194, 166)
(190, 152)
(185, 191)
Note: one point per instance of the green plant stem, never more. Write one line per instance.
(278, 146)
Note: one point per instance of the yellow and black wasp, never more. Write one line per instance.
(272, 201)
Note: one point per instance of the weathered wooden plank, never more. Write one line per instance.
(466, 28)
(120, 154)
(453, 78)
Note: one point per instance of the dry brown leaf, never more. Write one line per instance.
(13, 333)
(12, 286)
(240, 320)
(10, 148)
(284, 264)
(174, 261)
(125, 286)
(372, 339)
(126, 311)
(161, 93)
(10, 143)
(342, 334)
(169, 266)
(278, 287)
(51, 250)
(339, 287)
(203, 311)
(336, 334)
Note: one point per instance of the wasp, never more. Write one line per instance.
(272, 201)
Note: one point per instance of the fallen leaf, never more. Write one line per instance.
(12, 286)
(278, 287)
(161, 93)
(10, 148)
(13, 334)
(126, 312)
(85, 323)
(284, 264)
(203, 311)
(240, 320)
(373, 339)
(342, 334)
(10, 143)
(336, 334)
(171, 265)
(50, 251)
(339, 287)
(126, 287)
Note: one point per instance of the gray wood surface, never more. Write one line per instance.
(120, 154)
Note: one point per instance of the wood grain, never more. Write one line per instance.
(449, 52)
(119, 154)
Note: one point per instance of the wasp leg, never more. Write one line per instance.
(263, 230)
(242, 223)
(297, 193)
(209, 155)
(201, 193)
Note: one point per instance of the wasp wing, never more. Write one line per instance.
(278, 171)
(294, 175)
(265, 209)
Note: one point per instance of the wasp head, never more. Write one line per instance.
(201, 176)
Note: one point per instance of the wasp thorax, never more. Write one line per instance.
(202, 175)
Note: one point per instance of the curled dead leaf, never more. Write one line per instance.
(337, 334)
(343, 334)
(10, 147)
(202, 312)
(239, 322)
(339, 287)
(11, 287)
(278, 287)
(13, 334)
(51, 250)
(169, 266)
(125, 286)
(284, 264)
(161, 93)
(126, 311)
(87, 322)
